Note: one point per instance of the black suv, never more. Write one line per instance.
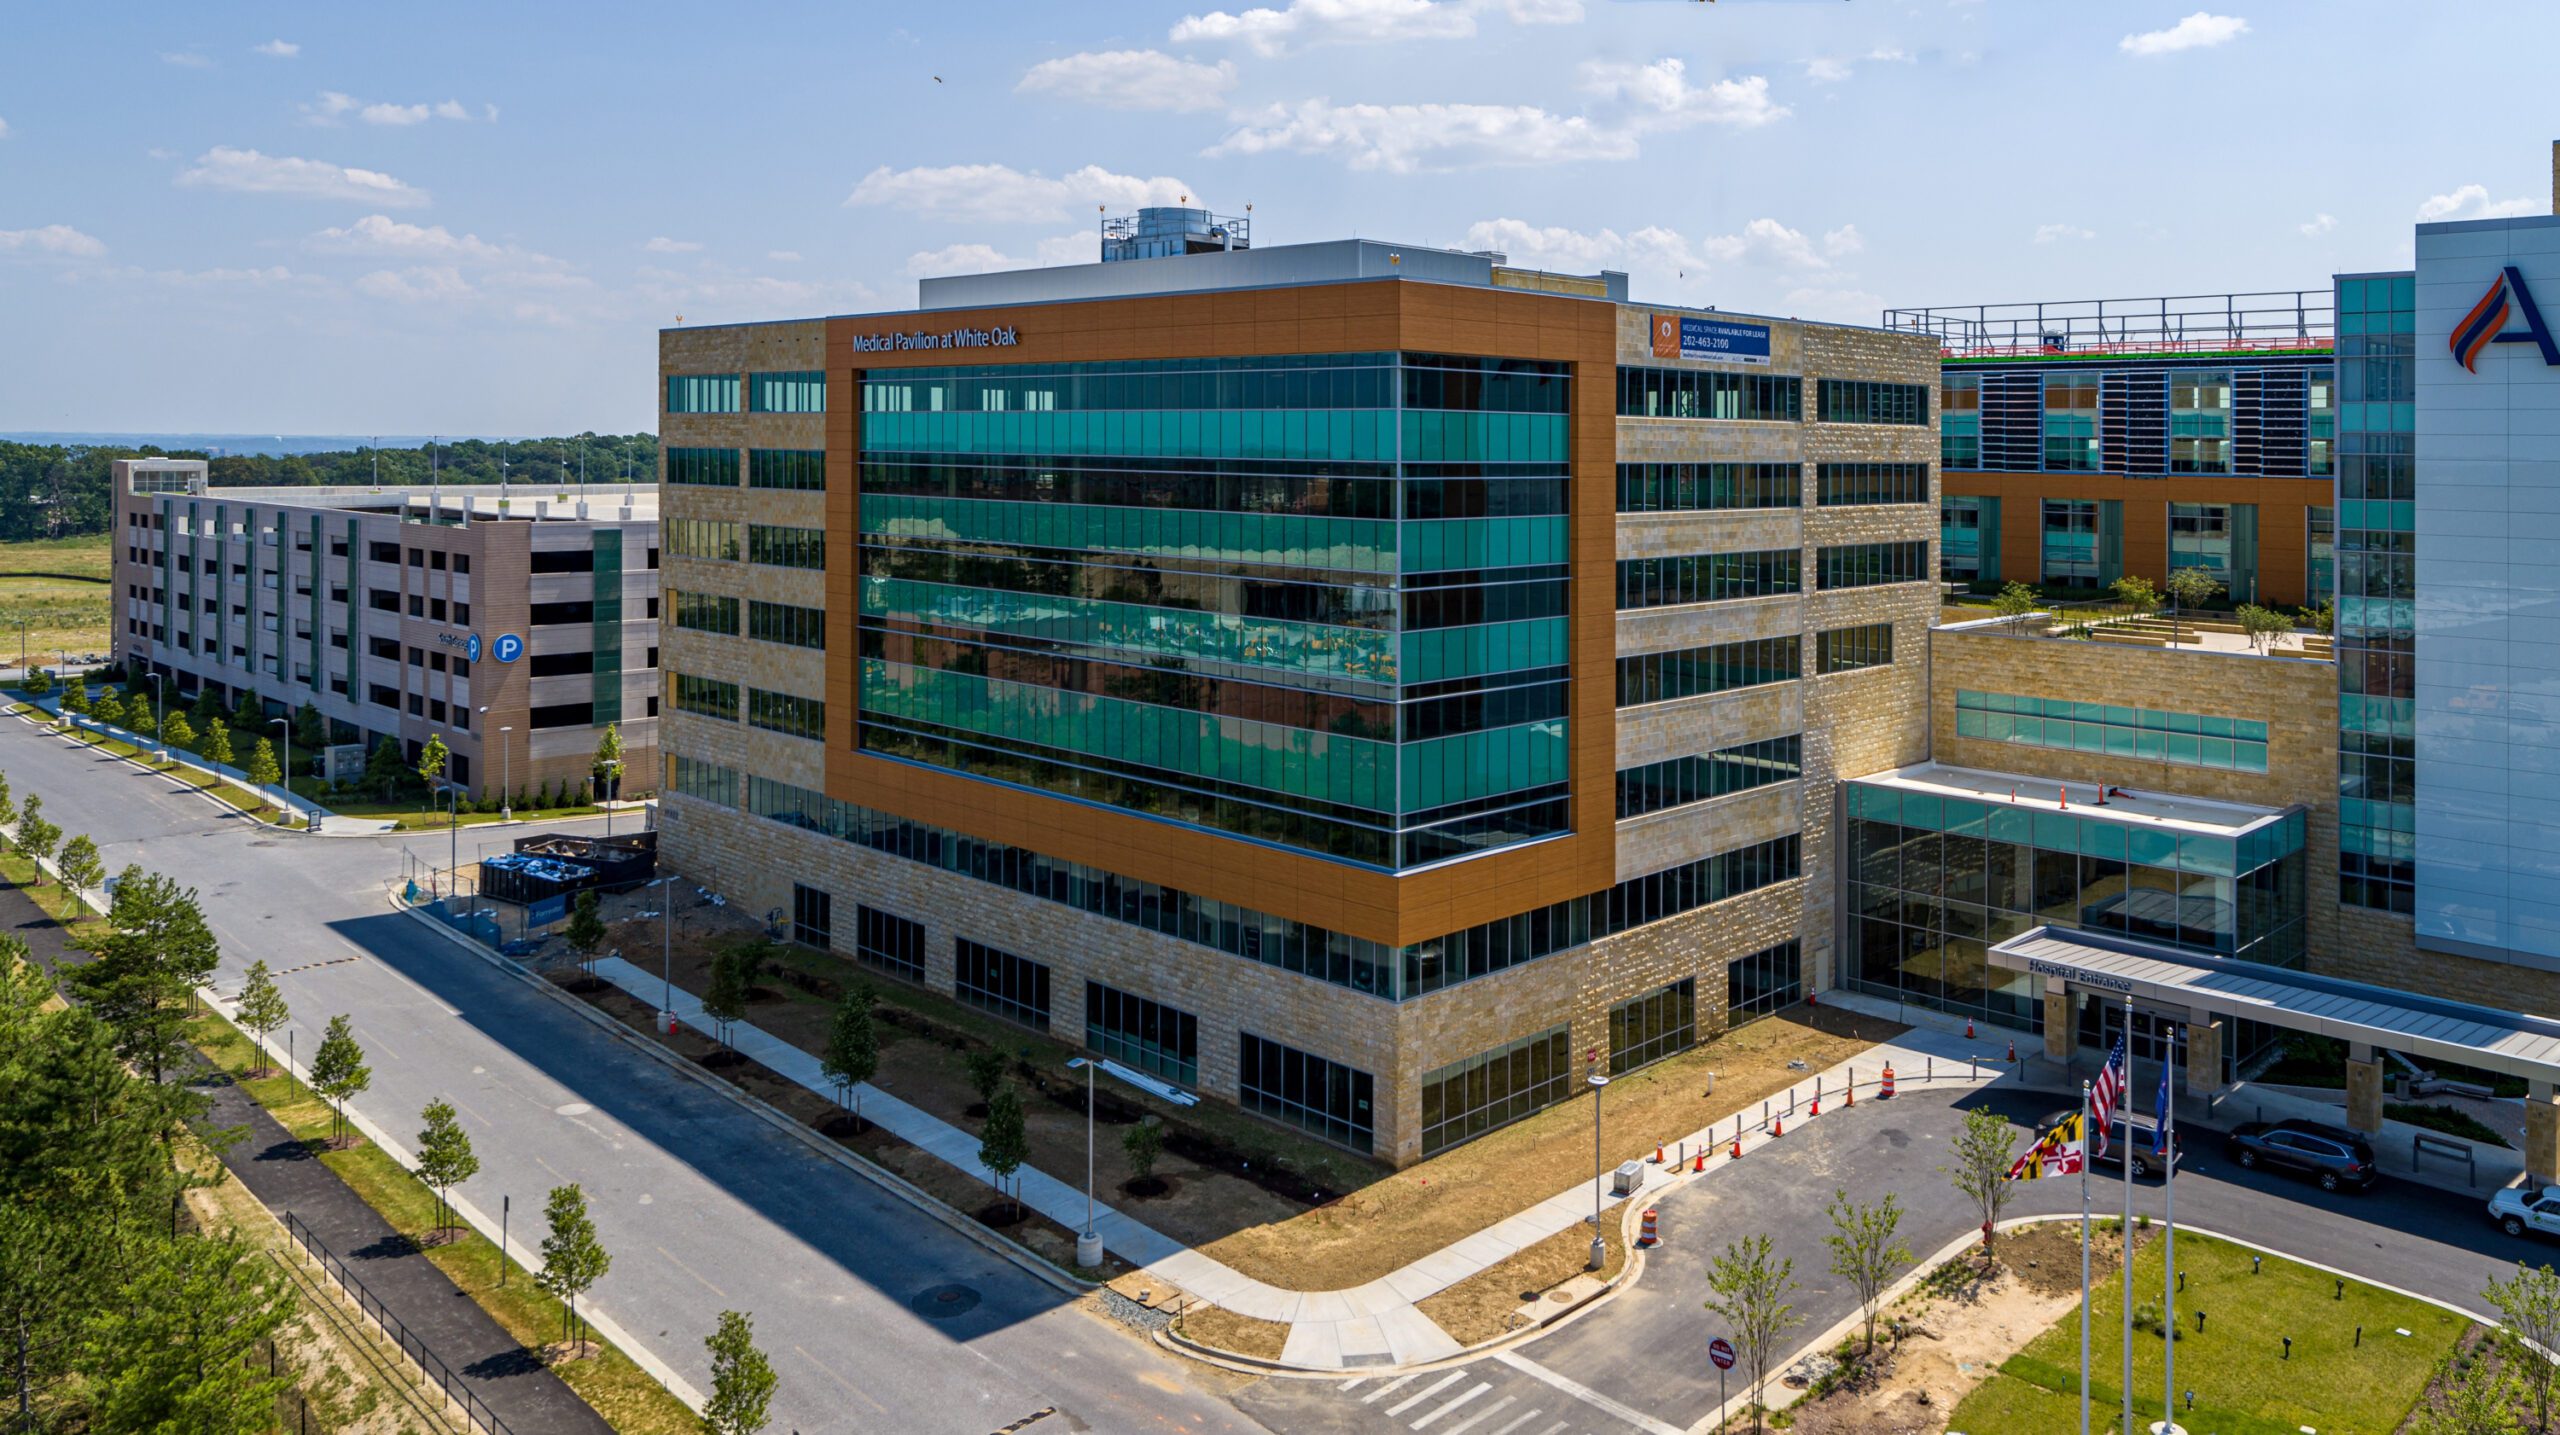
(2332, 1155)
(2131, 1133)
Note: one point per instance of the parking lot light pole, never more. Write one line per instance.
(155, 719)
(1088, 1244)
(286, 723)
(1599, 1240)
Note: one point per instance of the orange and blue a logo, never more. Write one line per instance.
(2486, 324)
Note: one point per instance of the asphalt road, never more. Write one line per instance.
(702, 1207)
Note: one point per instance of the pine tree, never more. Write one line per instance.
(35, 835)
(80, 866)
(573, 1259)
(178, 1352)
(1003, 1144)
(178, 732)
(742, 1380)
(206, 707)
(310, 729)
(444, 1157)
(217, 742)
(338, 1071)
(157, 950)
(852, 1056)
(384, 770)
(261, 1011)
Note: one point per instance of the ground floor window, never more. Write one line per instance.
(1015, 988)
(1323, 1097)
(813, 916)
(889, 942)
(1759, 984)
(2071, 541)
(1650, 1027)
(1147, 1035)
(1468, 1098)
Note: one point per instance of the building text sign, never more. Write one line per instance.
(1682, 336)
(1002, 336)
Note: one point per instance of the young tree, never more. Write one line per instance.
(1003, 1145)
(8, 805)
(1983, 1153)
(141, 721)
(585, 930)
(742, 1379)
(432, 759)
(607, 768)
(263, 771)
(217, 742)
(75, 698)
(2015, 600)
(2320, 619)
(2262, 626)
(2192, 588)
(986, 1067)
(2479, 1400)
(1142, 1145)
(36, 836)
(444, 1157)
(724, 998)
(79, 862)
(383, 769)
(853, 1046)
(2135, 592)
(178, 1350)
(39, 683)
(2529, 1328)
(573, 1259)
(107, 708)
(1866, 1249)
(206, 707)
(261, 1011)
(1750, 1292)
(338, 1072)
(178, 732)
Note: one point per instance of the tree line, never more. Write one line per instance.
(62, 490)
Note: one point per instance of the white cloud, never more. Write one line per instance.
(663, 245)
(2319, 224)
(186, 59)
(246, 171)
(1000, 193)
(1366, 22)
(2199, 31)
(333, 107)
(1844, 241)
(423, 284)
(1832, 69)
(1057, 249)
(2049, 233)
(1663, 92)
(783, 256)
(1766, 241)
(277, 49)
(1402, 139)
(2472, 201)
(56, 239)
(1543, 12)
(960, 259)
(1853, 306)
(381, 234)
(1657, 257)
(1132, 80)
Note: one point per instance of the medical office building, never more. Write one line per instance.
(1358, 681)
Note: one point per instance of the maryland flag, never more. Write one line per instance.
(2057, 1153)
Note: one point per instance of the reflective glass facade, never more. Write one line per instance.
(1314, 600)
(2377, 582)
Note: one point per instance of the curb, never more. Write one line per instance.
(47, 729)
(886, 1179)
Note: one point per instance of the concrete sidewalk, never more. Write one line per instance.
(1377, 1323)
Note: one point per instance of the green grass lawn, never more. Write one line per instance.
(61, 587)
(2244, 1385)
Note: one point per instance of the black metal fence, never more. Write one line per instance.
(428, 1362)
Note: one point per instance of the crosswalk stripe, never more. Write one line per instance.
(1481, 1416)
(1587, 1395)
(1516, 1424)
(1480, 1389)
(1372, 1397)
(1350, 1385)
(1552, 1429)
(1443, 1383)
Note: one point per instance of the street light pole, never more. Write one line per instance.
(156, 707)
(1599, 1241)
(1089, 1238)
(287, 724)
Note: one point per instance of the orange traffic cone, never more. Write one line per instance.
(1737, 1148)
(1850, 1097)
(1702, 1158)
(1817, 1107)
(1968, 1028)
(2013, 1048)
(1657, 1153)
(1777, 1128)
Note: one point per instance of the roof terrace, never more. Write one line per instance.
(2271, 322)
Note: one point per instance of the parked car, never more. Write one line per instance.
(2519, 1209)
(2136, 1134)
(2332, 1155)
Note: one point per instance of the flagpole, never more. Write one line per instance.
(2086, 1156)
(2169, 1235)
(2126, 1093)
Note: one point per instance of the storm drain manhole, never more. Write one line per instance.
(943, 1302)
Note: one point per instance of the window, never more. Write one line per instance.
(563, 715)
(703, 467)
(791, 393)
(462, 563)
(1864, 401)
(1654, 786)
(417, 605)
(795, 468)
(1961, 522)
(1960, 421)
(2320, 580)
(562, 560)
(383, 648)
(783, 713)
(1708, 577)
(1015, 988)
(702, 538)
(1689, 487)
(1468, 1098)
(1147, 1035)
(787, 547)
(1689, 672)
(889, 942)
(554, 615)
(1845, 650)
(708, 781)
(2071, 422)
(1645, 1029)
(1873, 482)
(1698, 394)
(2200, 537)
(813, 916)
(382, 600)
(708, 697)
(561, 665)
(1324, 1098)
(1863, 565)
(382, 697)
(1763, 982)
(783, 623)
(2200, 421)
(462, 667)
(2320, 408)
(462, 614)
(2193, 739)
(435, 561)
(2071, 540)
(417, 558)
(702, 393)
(435, 609)
(707, 613)
(383, 552)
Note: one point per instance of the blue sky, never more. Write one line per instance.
(248, 218)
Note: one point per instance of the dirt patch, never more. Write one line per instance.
(1002, 1214)
(1225, 1330)
(1149, 1188)
(2046, 1258)
(1487, 1304)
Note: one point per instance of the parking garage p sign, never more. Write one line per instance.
(507, 648)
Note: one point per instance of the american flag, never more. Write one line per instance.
(2102, 1096)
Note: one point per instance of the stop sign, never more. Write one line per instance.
(1720, 1350)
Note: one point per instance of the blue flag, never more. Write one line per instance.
(2160, 1115)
